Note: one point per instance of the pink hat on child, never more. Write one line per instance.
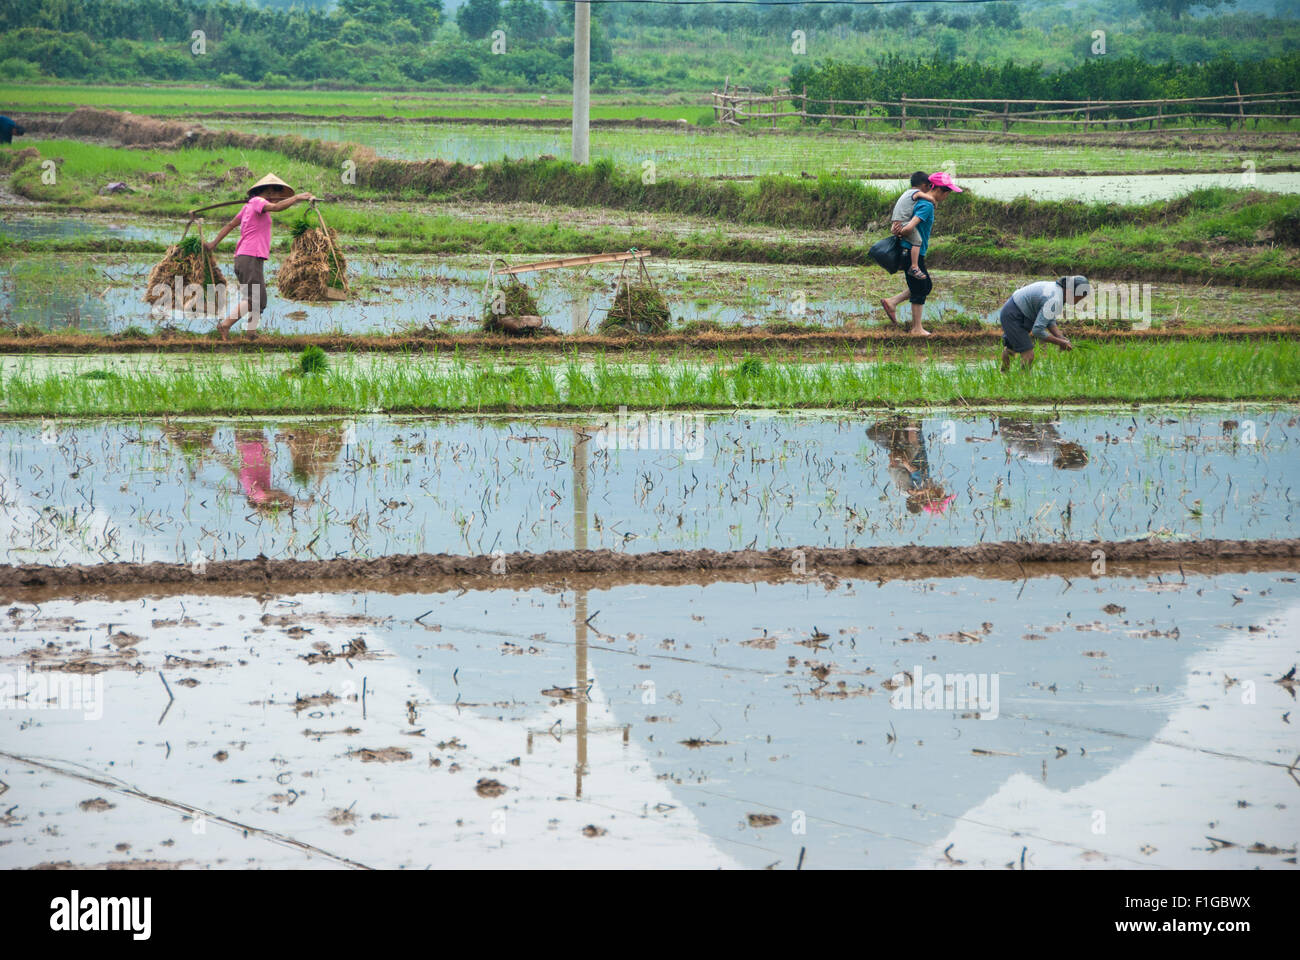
(944, 179)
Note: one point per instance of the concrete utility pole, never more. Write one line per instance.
(581, 81)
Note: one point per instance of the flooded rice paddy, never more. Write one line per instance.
(21, 226)
(1128, 189)
(1136, 720)
(685, 153)
(317, 488)
(403, 294)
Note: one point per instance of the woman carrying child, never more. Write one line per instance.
(919, 224)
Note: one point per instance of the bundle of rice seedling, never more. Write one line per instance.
(637, 308)
(315, 268)
(193, 264)
(511, 308)
(313, 360)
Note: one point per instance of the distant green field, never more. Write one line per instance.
(193, 101)
(691, 152)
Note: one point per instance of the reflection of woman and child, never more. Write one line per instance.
(312, 454)
(909, 465)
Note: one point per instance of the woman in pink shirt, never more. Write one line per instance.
(269, 195)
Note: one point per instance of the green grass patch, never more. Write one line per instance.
(1112, 372)
(190, 100)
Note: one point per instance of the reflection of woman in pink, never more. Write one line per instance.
(252, 463)
(255, 471)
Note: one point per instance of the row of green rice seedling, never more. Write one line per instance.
(1135, 372)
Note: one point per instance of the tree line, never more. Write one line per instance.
(1104, 78)
(411, 43)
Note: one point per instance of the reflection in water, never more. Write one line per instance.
(909, 464)
(386, 485)
(255, 472)
(1038, 441)
(1123, 693)
(314, 451)
(581, 680)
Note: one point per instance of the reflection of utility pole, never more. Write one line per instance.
(580, 596)
(581, 80)
(581, 306)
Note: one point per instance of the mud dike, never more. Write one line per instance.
(557, 564)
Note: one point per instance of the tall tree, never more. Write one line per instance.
(1176, 8)
(478, 18)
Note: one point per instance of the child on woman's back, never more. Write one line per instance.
(903, 210)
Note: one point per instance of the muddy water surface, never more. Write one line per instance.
(402, 294)
(1124, 721)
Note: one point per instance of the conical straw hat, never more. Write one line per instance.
(271, 180)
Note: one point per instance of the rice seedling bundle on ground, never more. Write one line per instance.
(194, 264)
(315, 268)
(637, 308)
(512, 309)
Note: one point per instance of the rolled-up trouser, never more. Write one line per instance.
(248, 271)
(1015, 329)
(918, 290)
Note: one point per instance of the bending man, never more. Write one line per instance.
(1031, 313)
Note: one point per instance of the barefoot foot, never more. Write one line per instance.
(889, 311)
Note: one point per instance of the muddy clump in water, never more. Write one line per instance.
(383, 755)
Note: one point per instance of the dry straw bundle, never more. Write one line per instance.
(315, 268)
(193, 263)
(637, 308)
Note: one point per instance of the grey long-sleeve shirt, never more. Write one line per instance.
(1043, 302)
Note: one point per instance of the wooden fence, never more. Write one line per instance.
(741, 105)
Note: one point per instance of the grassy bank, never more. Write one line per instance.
(1128, 372)
(1103, 256)
(781, 339)
(179, 180)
